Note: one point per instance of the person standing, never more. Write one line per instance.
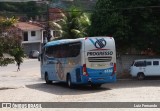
(18, 64)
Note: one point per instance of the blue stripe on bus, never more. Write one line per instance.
(92, 41)
(104, 71)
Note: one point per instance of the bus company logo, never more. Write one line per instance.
(99, 43)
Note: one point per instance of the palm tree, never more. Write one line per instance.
(73, 25)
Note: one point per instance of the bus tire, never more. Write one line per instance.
(69, 82)
(47, 79)
(96, 85)
(140, 76)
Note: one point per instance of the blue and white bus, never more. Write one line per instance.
(90, 61)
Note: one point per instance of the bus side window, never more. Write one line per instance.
(74, 49)
(64, 50)
(77, 49)
(47, 52)
(57, 51)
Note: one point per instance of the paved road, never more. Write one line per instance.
(30, 72)
(26, 86)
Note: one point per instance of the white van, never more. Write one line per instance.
(145, 67)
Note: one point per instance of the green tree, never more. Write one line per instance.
(132, 23)
(30, 9)
(10, 46)
(74, 24)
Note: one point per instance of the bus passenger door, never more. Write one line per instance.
(50, 67)
(48, 63)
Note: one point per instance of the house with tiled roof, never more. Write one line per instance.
(32, 36)
(55, 14)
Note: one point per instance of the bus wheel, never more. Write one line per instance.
(69, 82)
(47, 80)
(140, 76)
(96, 85)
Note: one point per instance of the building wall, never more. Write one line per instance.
(36, 38)
(31, 46)
(33, 43)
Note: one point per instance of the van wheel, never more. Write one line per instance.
(69, 82)
(140, 76)
(47, 80)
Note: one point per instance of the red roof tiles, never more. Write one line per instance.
(27, 26)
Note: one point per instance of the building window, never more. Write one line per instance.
(33, 33)
(25, 36)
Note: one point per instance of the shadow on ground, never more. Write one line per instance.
(62, 89)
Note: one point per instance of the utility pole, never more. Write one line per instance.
(48, 34)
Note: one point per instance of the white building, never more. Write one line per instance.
(31, 36)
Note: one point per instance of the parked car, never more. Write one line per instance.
(145, 67)
(34, 54)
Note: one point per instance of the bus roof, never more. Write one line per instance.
(63, 41)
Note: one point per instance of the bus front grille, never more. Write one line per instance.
(99, 59)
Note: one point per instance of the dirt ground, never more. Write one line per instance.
(27, 86)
